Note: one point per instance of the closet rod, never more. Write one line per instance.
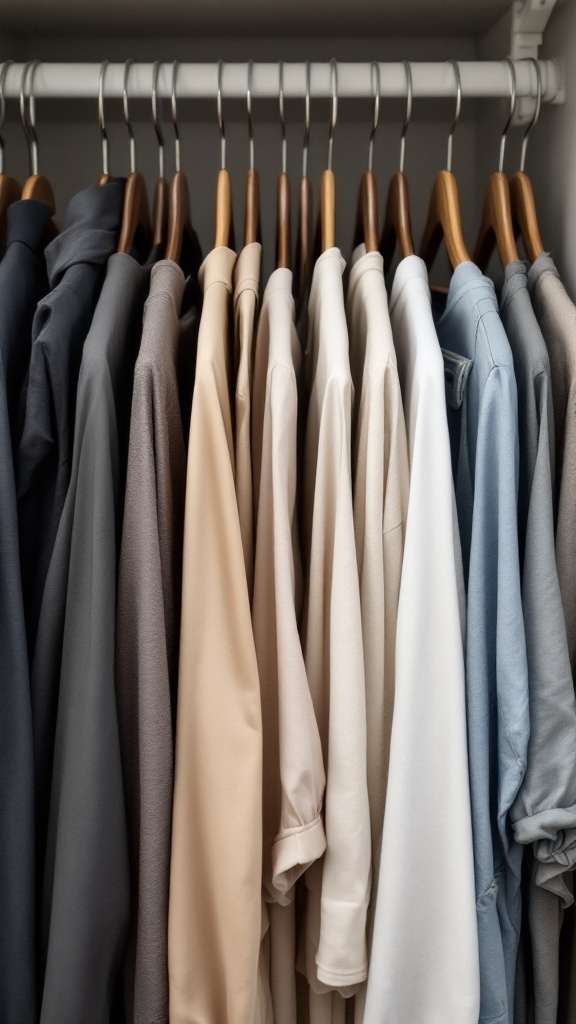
(479, 79)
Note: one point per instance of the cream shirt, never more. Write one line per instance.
(214, 921)
(381, 483)
(424, 964)
(246, 287)
(334, 950)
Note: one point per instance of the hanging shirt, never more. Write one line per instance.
(334, 948)
(86, 883)
(544, 813)
(76, 263)
(216, 863)
(483, 423)
(424, 964)
(556, 314)
(148, 626)
(381, 481)
(294, 779)
(246, 285)
(23, 281)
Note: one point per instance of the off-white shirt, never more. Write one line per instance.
(334, 949)
(214, 923)
(424, 964)
(381, 483)
(246, 285)
(294, 779)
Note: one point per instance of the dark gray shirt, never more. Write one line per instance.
(22, 283)
(76, 263)
(85, 902)
(544, 813)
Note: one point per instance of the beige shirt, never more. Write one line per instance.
(214, 920)
(246, 286)
(335, 949)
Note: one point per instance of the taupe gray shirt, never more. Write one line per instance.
(148, 626)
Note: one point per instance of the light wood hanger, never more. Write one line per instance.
(367, 209)
(283, 240)
(444, 220)
(252, 214)
(10, 189)
(328, 181)
(397, 229)
(179, 222)
(136, 211)
(496, 224)
(524, 216)
(224, 227)
(37, 185)
(305, 235)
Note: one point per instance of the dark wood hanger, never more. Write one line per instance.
(283, 245)
(496, 224)
(444, 221)
(524, 217)
(223, 209)
(38, 187)
(397, 229)
(136, 213)
(179, 224)
(366, 229)
(104, 179)
(252, 221)
(160, 214)
(10, 192)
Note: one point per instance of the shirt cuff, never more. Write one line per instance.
(292, 854)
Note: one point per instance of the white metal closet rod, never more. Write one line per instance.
(479, 79)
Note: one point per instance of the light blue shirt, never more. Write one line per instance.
(483, 423)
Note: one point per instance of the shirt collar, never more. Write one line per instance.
(91, 232)
(26, 222)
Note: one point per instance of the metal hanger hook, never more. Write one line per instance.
(536, 114)
(512, 74)
(173, 103)
(456, 67)
(281, 110)
(408, 114)
(128, 64)
(220, 117)
(334, 117)
(3, 74)
(375, 80)
(101, 120)
(155, 121)
(249, 112)
(29, 118)
(306, 146)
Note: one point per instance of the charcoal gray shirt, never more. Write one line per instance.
(85, 902)
(22, 283)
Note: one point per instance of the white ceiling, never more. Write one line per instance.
(251, 17)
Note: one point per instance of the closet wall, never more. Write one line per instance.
(70, 150)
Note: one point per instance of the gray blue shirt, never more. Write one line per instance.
(483, 424)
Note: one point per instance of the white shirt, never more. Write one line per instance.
(424, 965)
(335, 952)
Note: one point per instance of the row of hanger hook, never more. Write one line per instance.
(28, 113)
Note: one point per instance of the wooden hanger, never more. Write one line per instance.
(10, 189)
(283, 238)
(524, 217)
(367, 208)
(224, 227)
(444, 219)
(328, 182)
(161, 202)
(252, 211)
(397, 228)
(305, 235)
(496, 224)
(136, 211)
(105, 177)
(179, 222)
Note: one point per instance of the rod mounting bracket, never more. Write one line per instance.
(529, 19)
